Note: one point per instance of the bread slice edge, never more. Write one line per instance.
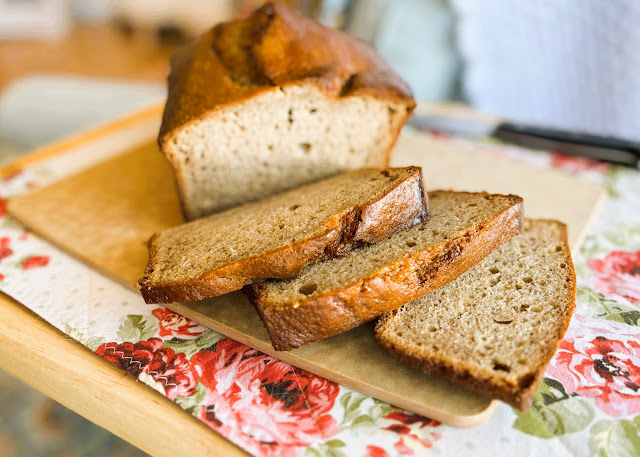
(403, 206)
(519, 396)
(386, 289)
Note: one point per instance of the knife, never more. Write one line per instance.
(461, 120)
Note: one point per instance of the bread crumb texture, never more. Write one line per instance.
(496, 327)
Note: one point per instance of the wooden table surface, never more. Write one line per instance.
(90, 384)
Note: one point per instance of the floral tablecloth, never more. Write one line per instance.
(588, 403)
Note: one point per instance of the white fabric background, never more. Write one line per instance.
(564, 63)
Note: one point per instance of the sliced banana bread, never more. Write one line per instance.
(337, 295)
(495, 328)
(274, 101)
(278, 236)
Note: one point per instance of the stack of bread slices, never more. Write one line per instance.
(294, 123)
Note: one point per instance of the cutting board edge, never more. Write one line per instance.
(446, 417)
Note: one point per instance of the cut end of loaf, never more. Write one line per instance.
(495, 328)
(278, 140)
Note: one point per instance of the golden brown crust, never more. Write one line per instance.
(400, 208)
(272, 48)
(385, 290)
(519, 395)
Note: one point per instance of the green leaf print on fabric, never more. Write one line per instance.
(11, 223)
(355, 415)
(137, 328)
(190, 347)
(554, 412)
(626, 237)
(615, 438)
(193, 403)
(328, 449)
(597, 305)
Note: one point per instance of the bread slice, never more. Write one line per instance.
(278, 236)
(269, 103)
(337, 295)
(495, 328)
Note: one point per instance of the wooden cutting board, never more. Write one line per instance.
(105, 215)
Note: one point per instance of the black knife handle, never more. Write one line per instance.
(609, 149)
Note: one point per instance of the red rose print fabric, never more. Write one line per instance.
(5, 249)
(618, 275)
(32, 262)
(601, 360)
(578, 164)
(172, 371)
(270, 407)
(414, 432)
(375, 451)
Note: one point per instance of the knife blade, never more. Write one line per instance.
(461, 120)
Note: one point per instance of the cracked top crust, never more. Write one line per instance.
(273, 47)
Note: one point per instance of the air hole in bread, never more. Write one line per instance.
(563, 265)
(494, 270)
(494, 282)
(281, 226)
(313, 110)
(385, 173)
(524, 307)
(294, 207)
(411, 244)
(526, 381)
(270, 147)
(499, 366)
(518, 286)
(558, 248)
(308, 289)
(290, 116)
(432, 328)
(392, 111)
(305, 147)
(502, 320)
(528, 279)
(471, 205)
